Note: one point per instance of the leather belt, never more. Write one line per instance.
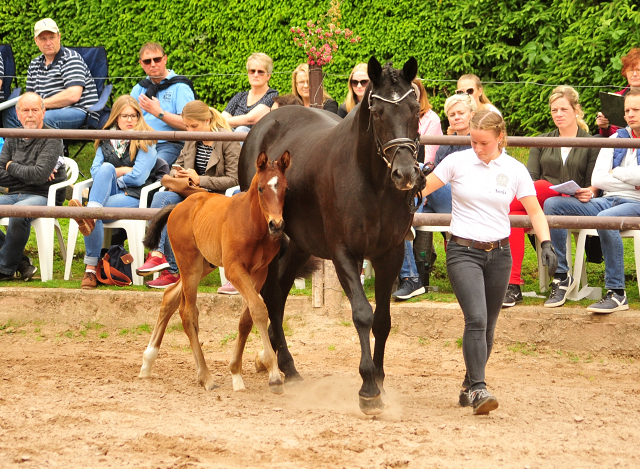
(485, 246)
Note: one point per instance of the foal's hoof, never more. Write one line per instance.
(276, 388)
(208, 386)
(371, 405)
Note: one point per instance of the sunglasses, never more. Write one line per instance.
(363, 83)
(467, 91)
(259, 72)
(155, 59)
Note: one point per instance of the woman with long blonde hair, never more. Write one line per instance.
(358, 81)
(120, 169)
(212, 165)
(300, 88)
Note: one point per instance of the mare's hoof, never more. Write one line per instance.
(371, 405)
(293, 379)
(277, 388)
(260, 368)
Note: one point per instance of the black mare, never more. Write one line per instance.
(351, 187)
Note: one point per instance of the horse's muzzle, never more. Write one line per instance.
(276, 228)
(405, 177)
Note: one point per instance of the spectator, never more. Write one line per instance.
(209, 164)
(120, 169)
(429, 123)
(617, 174)
(162, 95)
(484, 181)
(470, 84)
(300, 88)
(62, 78)
(28, 166)
(549, 166)
(1, 78)
(248, 107)
(286, 100)
(460, 108)
(358, 81)
(631, 71)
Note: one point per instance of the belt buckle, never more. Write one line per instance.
(490, 248)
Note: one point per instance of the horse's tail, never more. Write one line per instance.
(154, 231)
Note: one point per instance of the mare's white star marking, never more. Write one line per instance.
(273, 182)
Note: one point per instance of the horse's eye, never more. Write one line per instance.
(260, 189)
(286, 190)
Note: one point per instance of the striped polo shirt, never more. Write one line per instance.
(67, 69)
(1, 76)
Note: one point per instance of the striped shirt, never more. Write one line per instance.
(203, 154)
(1, 77)
(67, 69)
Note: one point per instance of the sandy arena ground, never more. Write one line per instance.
(70, 398)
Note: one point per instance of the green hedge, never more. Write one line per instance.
(548, 42)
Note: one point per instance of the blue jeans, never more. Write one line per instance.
(161, 200)
(242, 128)
(610, 240)
(12, 244)
(437, 202)
(479, 280)
(104, 193)
(169, 151)
(66, 118)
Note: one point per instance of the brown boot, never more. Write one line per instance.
(89, 281)
(85, 225)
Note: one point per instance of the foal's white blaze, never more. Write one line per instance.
(273, 182)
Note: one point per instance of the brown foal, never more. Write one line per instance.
(241, 233)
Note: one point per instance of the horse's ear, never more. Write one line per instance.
(410, 69)
(262, 161)
(374, 70)
(284, 161)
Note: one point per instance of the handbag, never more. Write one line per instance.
(114, 268)
(182, 186)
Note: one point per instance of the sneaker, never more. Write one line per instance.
(465, 398)
(7, 276)
(409, 288)
(513, 296)
(228, 289)
(89, 281)
(165, 280)
(85, 225)
(559, 291)
(610, 303)
(483, 402)
(152, 265)
(26, 269)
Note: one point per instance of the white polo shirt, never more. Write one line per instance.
(481, 193)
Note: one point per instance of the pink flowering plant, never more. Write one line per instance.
(319, 41)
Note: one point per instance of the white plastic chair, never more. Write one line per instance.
(45, 227)
(135, 231)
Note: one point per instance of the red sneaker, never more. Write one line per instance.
(165, 280)
(228, 289)
(152, 265)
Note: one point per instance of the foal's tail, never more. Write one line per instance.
(154, 231)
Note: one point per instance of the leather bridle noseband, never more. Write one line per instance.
(396, 143)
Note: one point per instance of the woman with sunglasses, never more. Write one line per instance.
(120, 169)
(247, 107)
(549, 166)
(631, 71)
(300, 88)
(210, 165)
(470, 84)
(358, 81)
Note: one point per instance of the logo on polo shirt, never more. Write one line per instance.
(167, 95)
(502, 180)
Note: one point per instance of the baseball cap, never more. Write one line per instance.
(46, 24)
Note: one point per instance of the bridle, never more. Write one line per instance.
(395, 143)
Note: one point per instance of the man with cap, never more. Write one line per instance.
(62, 78)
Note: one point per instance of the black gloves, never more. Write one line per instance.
(549, 257)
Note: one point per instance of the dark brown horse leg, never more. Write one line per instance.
(170, 303)
(362, 314)
(246, 286)
(387, 269)
(191, 273)
(235, 365)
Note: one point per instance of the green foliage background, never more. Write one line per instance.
(548, 42)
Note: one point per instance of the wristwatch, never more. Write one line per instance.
(161, 115)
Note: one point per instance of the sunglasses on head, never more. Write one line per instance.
(467, 91)
(259, 72)
(362, 83)
(155, 59)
